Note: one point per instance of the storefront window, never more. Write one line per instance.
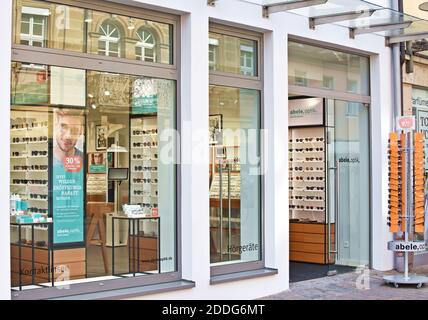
(92, 175)
(321, 68)
(233, 54)
(235, 184)
(55, 26)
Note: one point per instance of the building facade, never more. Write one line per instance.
(415, 78)
(246, 141)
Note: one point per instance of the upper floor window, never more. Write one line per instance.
(109, 42)
(145, 48)
(33, 26)
(62, 27)
(233, 54)
(328, 82)
(247, 60)
(213, 53)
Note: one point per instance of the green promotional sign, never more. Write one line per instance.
(145, 105)
(144, 97)
(98, 168)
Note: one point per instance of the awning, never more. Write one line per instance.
(359, 16)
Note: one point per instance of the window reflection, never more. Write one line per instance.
(317, 67)
(232, 54)
(44, 24)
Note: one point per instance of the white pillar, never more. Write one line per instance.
(381, 126)
(276, 153)
(194, 120)
(5, 57)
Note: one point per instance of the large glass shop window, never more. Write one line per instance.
(93, 190)
(57, 26)
(235, 177)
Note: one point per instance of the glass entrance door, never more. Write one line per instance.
(348, 160)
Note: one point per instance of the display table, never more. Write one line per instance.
(141, 249)
(31, 256)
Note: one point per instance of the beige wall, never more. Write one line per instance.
(419, 78)
(412, 7)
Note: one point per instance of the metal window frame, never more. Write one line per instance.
(93, 62)
(226, 79)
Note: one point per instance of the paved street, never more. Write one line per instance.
(350, 286)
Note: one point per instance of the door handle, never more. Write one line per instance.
(336, 170)
(337, 208)
(330, 251)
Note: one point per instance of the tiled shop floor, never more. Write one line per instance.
(360, 285)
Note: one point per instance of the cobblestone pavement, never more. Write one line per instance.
(367, 285)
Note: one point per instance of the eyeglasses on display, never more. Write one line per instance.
(39, 153)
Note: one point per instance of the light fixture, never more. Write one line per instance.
(88, 16)
(424, 6)
(93, 106)
(90, 95)
(107, 93)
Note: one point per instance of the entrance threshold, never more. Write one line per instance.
(300, 271)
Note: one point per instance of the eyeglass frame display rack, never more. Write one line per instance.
(324, 171)
(407, 156)
(132, 161)
(132, 220)
(324, 163)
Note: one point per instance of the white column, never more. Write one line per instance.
(276, 153)
(5, 57)
(194, 120)
(381, 126)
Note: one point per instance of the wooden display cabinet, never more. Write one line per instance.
(309, 242)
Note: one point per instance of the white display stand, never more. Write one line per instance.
(121, 232)
(408, 213)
